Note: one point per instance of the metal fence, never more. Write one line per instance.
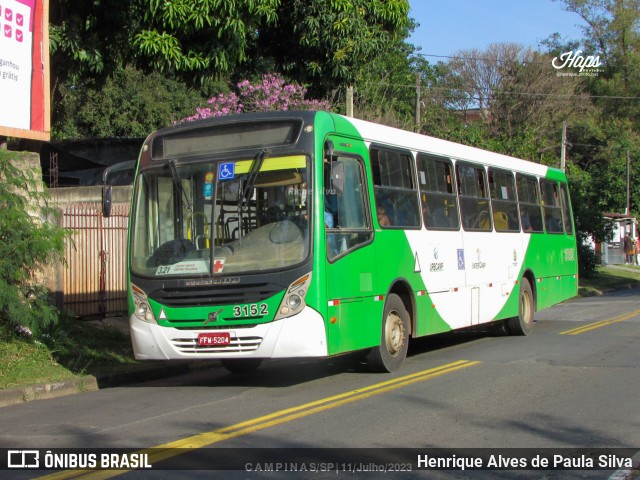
(94, 282)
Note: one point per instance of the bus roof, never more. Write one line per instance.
(382, 134)
(376, 133)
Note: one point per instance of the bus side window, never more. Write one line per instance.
(439, 200)
(566, 208)
(529, 201)
(552, 209)
(345, 214)
(394, 188)
(474, 199)
(503, 201)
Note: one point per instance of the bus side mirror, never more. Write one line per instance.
(107, 194)
(106, 200)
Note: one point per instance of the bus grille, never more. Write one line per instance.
(240, 344)
(218, 295)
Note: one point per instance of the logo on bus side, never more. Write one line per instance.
(479, 264)
(461, 259)
(436, 266)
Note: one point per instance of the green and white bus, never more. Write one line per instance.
(310, 234)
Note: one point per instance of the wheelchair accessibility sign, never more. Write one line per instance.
(226, 171)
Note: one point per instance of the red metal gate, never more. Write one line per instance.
(95, 275)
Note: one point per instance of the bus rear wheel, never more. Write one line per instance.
(394, 343)
(241, 365)
(523, 323)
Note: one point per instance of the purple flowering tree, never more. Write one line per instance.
(272, 93)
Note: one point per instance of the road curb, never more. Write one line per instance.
(45, 391)
(89, 383)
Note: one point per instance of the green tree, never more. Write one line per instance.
(90, 39)
(613, 33)
(196, 42)
(603, 144)
(128, 104)
(197, 39)
(385, 86)
(327, 44)
(28, 244)
(208, 38)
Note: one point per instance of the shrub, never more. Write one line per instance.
(28, 243)
(588, 260)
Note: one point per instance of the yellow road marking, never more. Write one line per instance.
(172, 449)
(602, 323)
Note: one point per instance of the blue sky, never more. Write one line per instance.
(449, 26)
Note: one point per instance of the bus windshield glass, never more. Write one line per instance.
(212, 218)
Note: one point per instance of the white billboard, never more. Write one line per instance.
(24, 69)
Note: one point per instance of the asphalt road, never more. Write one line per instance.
(574, 383)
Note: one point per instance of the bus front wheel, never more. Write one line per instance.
(523, 323)
(394, 341)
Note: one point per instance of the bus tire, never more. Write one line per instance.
(394, 342)
(241, 365)
(523, 323)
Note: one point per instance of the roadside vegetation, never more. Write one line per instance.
(72, 349)
(38, 343)
(610, 278)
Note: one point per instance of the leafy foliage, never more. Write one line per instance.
(129, 104)
(207, 38)
(613, 132)
(90, 39)
(27, 245)
(327, 44)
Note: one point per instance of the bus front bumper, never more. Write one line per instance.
(302, 335)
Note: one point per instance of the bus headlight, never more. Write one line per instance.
(293, 300)
(142, 309)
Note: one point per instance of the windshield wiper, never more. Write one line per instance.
(253, 176)
(178, 184)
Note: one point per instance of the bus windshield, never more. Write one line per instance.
(212, 218)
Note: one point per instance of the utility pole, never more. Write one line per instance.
(628, 209)
(563, 152)
(350, 101)
(417, 110)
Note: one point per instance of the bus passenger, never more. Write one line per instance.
(383, 219)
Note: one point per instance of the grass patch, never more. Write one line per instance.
(72, 349)
(608, 278)
(25, 362)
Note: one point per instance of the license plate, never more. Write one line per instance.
(215, 339)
